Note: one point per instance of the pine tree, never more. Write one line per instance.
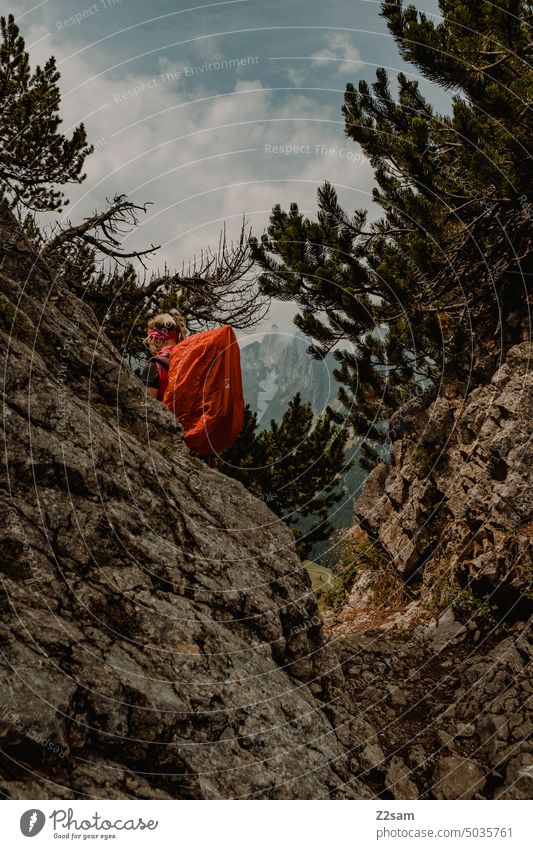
(295, 467)
(111, 292)
(437, 288)
(35, 156)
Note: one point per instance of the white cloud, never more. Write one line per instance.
(339, 51)
(296, 76)
(201, 158)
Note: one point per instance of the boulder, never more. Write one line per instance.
(398, 780)
(457, 778)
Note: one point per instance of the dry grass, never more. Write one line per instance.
(394, 619)
(385, 590)
(526, 530)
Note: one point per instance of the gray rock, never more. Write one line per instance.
(373, 504)
(158, 617)
(518, 778)
(478, 486)
(445, 631)
(417, 756)
(445, 738)
(397, 696)
(373, 757)
(440, 422)
(457, 778)
(398, 780)
(465, 729)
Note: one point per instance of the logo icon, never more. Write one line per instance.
(32, 822)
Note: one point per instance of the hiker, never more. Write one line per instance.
(198, 377)
(164, 331)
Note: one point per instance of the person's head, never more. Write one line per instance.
(164, 330)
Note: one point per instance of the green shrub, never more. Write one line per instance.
(479, 610)
(358, 554)
(426, 459)
(444, 589)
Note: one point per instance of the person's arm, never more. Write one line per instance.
(150, 378)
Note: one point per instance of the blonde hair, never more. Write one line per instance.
(171, 321)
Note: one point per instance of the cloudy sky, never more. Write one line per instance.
(212, 110)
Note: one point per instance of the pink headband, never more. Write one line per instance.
(162, 335)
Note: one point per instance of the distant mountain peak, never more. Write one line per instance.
(277, 367)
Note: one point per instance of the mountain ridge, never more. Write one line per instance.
(278, 366)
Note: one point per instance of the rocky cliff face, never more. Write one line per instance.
(159, 636)
(443, 717)
(453, 510)
(450, 521)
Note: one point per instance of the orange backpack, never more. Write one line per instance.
(204, 389)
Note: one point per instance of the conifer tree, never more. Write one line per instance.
(296, 467)
(437, 288)
(35, 157)
(215, 291)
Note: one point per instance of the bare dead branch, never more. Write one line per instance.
(216, 287)
(104, 230)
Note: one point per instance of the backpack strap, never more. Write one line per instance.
(162, 361)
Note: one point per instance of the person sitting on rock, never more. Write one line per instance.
(164, 331)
